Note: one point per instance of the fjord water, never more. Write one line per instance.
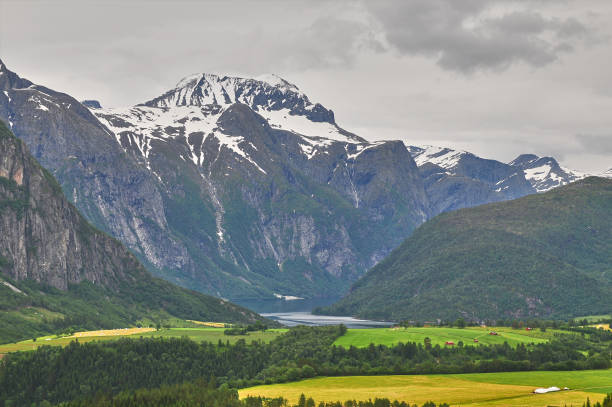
(299, 312)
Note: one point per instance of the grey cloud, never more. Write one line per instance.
(596, 144)
(460, 37)
(327, 42)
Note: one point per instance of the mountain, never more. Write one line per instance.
(543, 255)
(287, 201)
(607, 174)
(545, 173)
(56, 269)
(245, 188)
(457, 179)
(241, 188)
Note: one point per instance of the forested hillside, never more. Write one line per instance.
(542, 255)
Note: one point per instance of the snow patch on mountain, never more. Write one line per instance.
(39, 101)
(361, 148)
(284, 120)
(233, 143)
(441, 156)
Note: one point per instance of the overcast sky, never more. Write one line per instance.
(497, 78)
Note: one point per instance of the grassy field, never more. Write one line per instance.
(214, 334)
(484, 389)
(603, 326)
(197, 334)
(439, 336)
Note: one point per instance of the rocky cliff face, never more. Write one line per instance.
(108, 187)
(43, 237)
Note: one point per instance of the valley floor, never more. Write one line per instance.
(353, 337)
(480, 389)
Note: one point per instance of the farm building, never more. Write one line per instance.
(546, 390)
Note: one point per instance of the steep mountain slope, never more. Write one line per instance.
(83, 273)
(543, 255)
(108, 187)
(458, 179)
(236, 187)
(545, 173)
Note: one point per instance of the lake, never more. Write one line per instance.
(299, 312)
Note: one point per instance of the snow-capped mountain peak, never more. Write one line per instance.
(266, 92)
(280, 102)
(545, 173)
(191, 109)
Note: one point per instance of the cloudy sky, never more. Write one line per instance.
(497, 78)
